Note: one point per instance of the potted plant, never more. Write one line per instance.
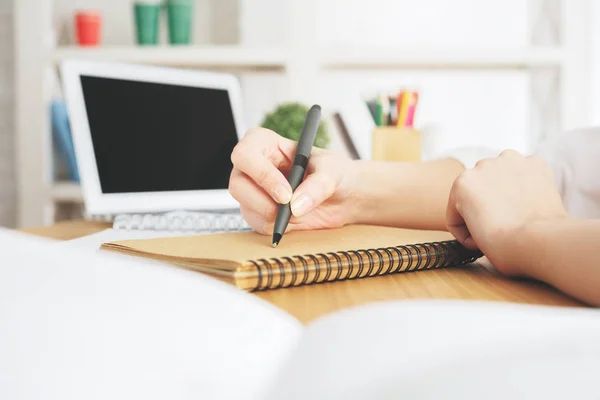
(288, 119)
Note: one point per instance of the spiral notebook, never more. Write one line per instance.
(247, 260)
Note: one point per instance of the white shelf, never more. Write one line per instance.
(181, 56)
(335, 58)
(66, 192)
(373, 58)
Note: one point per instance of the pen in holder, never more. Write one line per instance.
(396, 144)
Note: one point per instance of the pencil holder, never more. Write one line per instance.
(396, 144)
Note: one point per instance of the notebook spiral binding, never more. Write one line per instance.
(183, 221)
(308, 269)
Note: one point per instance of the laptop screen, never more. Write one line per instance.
(154, 137)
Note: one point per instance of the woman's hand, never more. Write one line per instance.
(492, 205)
(261, 162)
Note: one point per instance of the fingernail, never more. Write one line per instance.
(282, 194)
(301, 205)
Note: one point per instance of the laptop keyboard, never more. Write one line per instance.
(183, 221)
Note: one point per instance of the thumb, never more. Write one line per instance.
(315, 189)
(456, 224)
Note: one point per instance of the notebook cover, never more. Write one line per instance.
(248, 260)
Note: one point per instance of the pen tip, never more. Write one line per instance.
(276, 239)
(317, 107)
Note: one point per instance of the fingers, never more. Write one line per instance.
(461, 232)
(258, 180)
(314, 190)
(251, 196)
(286, 147)
(264, 173)
(257, 222)
(323, 179)
(505, 155)
(510, 154)
(260, 155)
(265, 226)
(455, 222)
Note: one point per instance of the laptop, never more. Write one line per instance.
(153, 144)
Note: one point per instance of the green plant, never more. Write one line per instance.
(288, 119)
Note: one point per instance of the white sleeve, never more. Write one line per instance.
(575, 159)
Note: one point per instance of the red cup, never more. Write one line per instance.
(88, 25)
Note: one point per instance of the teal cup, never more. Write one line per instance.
(147, 17)
(179, 15)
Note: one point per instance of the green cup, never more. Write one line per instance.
(147, 16)
(179, 13)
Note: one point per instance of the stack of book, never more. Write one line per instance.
(66, 164)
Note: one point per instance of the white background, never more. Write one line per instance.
(467, 107)
(459, 108)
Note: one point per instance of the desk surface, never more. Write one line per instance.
(474, 282)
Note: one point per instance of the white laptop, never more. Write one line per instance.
(153, 144)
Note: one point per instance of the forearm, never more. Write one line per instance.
(564, 254)
(408, 195)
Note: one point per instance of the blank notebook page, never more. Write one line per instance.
(229, 249)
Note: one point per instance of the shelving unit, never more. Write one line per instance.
(277, 59)
(298, 61)
(476, 58)
(189, 56)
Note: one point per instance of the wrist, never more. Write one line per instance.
(376, 198)
(404, 194)
(357, 194)
(527, 248)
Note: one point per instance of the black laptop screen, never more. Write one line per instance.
(152, 137)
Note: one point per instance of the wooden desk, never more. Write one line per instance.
(474, 282)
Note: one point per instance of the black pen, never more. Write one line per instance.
(305, 144)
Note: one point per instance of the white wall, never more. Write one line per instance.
(7, 170)
(468, 107)
(595, 64)
(439, 23)
(462, 108)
